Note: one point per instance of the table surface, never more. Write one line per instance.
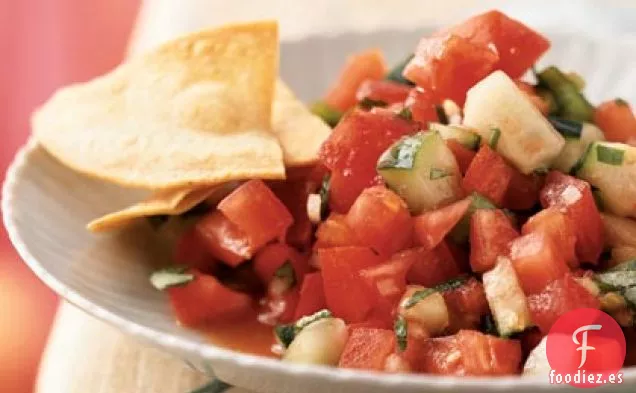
(86, 355)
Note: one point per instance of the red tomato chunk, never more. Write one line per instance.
(467, 304)
(559, 228)
(423, 106)
(537, 261)
(463, 155)
(384, 91)
(367, 349)
(489, 175)
(432, 267)
(617, 121)
(335, 232)
(312, 296)
(490, 235)
(224, 240)
(273, 256)
(192, 251)
(432, 227)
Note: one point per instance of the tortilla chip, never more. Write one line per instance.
(166, 202)
(196, 111)
(299, 131)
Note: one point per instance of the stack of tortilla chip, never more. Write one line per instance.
(184, 120)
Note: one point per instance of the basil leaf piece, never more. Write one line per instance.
(329, 115)
(621, 102)
(285, 334)
(170, 277)
(567, 128)
(214, 386)
(395, 74)
(325, 187)
(451, 284)
(308, 320)
(402, 154)
(417, 297)
(401, 333)
(406, 114)
(609, 155)
(494, 138)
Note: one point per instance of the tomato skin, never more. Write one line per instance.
(311, 297)
(558, 227)
(273, 256)
(367, 349)
(205, 299)
(463, 155)
(617, 121)
(432, 267)
(449, 66)
(423, 106)
(381, 220)
(523, 191)
(362, 66)
(352, 150)
(537, 261)
(294, 194)
(389, 278)
(467, 304)
(385, 91)
(490, 235)
(433, 226)
(561, 191)
(256, 210)
(489, 175)
(471, 353)
(223, 239)
(347, 294)
(335, 232)
(558, 298)
(191, 251)
(518, 46)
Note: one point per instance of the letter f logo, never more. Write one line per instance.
(583, 344)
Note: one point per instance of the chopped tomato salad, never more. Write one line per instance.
(459, 207)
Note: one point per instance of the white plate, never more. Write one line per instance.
(46, 207)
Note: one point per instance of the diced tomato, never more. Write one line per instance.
(256, 211)
(531, 93)
(294, 196)
(389, 277)
(381, 220)
(432, 267)
(335, 232)
(490, 235)
(449, 65)
(223, 239)
(558, 227)
(367, 349)
(312, 296)
(617, 121)
(385, 91)
(273, 256)
(433, 226)
(558, 298)
(463, 155)
(471, 353)
(205, 299)
(192, 251)
(489, 175)
(423, 105)
(352, 151)
(466, 304)
(523, 191)
(537, 261)
(346, 293)
(518, 46)
(575, 196)
(358, 68)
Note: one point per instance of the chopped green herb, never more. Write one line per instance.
(406, 114)
(547, 97)
(417, 297)
(494, 138)
(367, 103)
(621, 102)
(572, 104)
(402, 154)
(581, 161)
(441, 114)
(451, 284)
(401, 333)
(329, 115)
(157, 221)
(395, 74)
(567, 128)
(170, 277)
(576, 79)
(286, 272)
(437, 173)
(610, 155)
(285, 334)
(324, 196)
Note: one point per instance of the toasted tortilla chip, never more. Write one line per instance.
(196, 111)
(299, 131)
(166, 202)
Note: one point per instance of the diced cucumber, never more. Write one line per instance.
(572, 103)
(619, 231)
(460, 233)
(321, 342)
(425, 307)
(422, 170)
(464, 135)
(506, 298)
(611, 167)
(527, 139)
(575, 146)
(395, 74)
(547, 96)
(537, 362)
(329, 115)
